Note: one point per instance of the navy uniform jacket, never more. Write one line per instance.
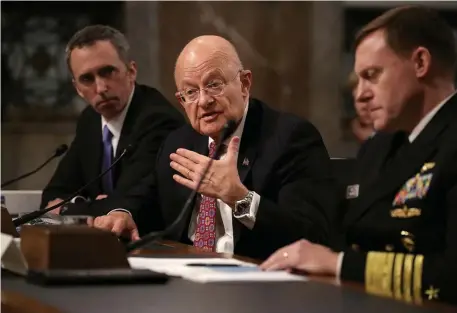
(400, 227)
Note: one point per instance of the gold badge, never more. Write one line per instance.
(432, 293)
(427, 166)
(405, 212)
(408, 240)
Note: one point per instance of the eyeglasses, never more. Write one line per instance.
(213, 89)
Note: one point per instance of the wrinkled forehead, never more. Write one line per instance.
(201, 67)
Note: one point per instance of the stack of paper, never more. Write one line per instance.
(211, 269)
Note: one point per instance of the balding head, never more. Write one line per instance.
(211, 63)
(204, 50)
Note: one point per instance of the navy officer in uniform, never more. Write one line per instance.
(399, 232)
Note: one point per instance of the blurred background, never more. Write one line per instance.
(299, 52)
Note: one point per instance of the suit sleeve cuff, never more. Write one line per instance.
(248, 218)
(121, 210)
(78, 199)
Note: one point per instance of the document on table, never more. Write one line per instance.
(211, 269)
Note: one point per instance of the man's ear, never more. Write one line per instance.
(132, 68)
(76, 87)
(246, 82)
(422, 61)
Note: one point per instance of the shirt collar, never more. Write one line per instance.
(427, 118)
(116, 123)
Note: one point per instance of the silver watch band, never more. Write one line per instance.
(242, 206)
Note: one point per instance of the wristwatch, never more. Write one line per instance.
(242, 206)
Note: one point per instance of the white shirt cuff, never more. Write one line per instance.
(248, 219)
(339, 264)
(73, 200)
(119, 209)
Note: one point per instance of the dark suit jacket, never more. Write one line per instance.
(289, 168)
(401, 234)
(149, 119)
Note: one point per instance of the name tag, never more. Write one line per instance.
(352, 191)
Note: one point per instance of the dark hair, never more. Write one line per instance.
(91, 34)
(411, 26)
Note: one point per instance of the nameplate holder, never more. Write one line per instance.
(48, 247)
(7, 223)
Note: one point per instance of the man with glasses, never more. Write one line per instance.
(272, 184)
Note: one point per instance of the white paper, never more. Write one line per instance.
(179, 267)
(12, 257)
(218, 275)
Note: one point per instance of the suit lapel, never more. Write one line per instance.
(247, 153)
(371, 165)
(129, 122)
(95, 145)
(410, 163)
(249, 140)
(125, 138)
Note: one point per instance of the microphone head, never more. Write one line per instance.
(61, 150)
(130, 147)
(228, 129)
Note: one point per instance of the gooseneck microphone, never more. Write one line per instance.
(59, 151)
(226, 132)
(35, 214)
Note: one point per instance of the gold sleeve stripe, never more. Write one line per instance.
(408, 277)
(395, 275)
(417, 280)
(378, 273)
(398, 268)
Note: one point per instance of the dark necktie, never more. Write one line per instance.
(205, 233)
(107, 179)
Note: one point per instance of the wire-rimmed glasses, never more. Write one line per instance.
(213, 89)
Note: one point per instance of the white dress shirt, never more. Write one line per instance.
(115, 124)
(412, 136)
(224, 213)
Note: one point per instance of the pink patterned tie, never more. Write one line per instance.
(205, 234)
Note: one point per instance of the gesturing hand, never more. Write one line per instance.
(221, 181)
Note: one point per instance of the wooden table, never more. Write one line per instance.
(351, 296)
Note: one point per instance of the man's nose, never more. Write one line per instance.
(101, 85)
(205, 100)
(363, 94)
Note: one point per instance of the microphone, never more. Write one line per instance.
(33, 215)
(226, 132)
(59, 151)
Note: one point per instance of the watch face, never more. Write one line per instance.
(241, 207)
